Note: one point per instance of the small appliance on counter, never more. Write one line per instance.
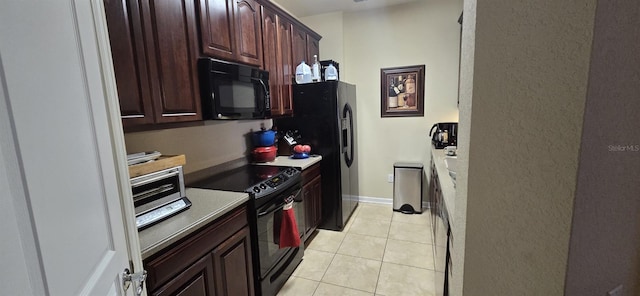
(158, 188)
(444, 134)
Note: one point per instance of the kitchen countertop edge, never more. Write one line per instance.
(446, 183)
(287, 161)
(206, 206)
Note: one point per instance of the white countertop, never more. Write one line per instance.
(446, 183)
(292, 162)
(206, 206)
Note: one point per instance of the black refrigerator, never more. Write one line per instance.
(325, 116)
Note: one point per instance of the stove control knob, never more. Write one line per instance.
(256, 189)
(263, 186)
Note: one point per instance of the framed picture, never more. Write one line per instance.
(402, 91)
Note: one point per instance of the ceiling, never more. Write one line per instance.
(302, 8)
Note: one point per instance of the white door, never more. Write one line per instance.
(62, 176)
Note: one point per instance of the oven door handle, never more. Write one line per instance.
(293, 195)
(279, 206)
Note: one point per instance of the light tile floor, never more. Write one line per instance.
(380, 252)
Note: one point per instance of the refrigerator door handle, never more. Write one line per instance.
(345, 138)
(348, 158)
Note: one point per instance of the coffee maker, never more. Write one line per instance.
(444, 134)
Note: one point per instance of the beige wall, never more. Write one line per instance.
(530, 75)
(421, 32)
(605, 237)
(204, 146)
(330, 27)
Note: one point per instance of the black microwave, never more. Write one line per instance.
(233, 91)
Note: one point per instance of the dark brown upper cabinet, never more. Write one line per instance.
(216, 28)
(230, 30)
(172, 50)
(154, 49)
(299, 39)
(288, 66)
(271, 58)
(277, 45)
(313, 48)
(129, 62)
(306, 44)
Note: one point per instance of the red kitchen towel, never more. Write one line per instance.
(289, 235)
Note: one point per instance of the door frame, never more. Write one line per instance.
(117, 136)
(21, 233)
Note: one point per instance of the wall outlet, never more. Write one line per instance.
(390, 178)
(617, 291)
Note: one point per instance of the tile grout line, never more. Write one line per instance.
(382, 260)
(332, 258)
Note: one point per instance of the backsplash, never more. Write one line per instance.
(205, 146)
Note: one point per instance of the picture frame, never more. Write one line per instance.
(402, 91)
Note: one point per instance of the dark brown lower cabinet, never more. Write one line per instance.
(312, 192)
(435, 196)
(213, 261)
(232, 265)
(195, 280)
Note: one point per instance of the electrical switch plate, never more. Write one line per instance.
(390, 178)
(617, 291)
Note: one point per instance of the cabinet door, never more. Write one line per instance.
(313, 204)
(172, 52)
(247, 32)
(313, 48)
(287, 66)
(129, 63)
(308, 209)
(270, 58)
(317, 200)
(194, 281)
(300, 46)
(216, 28)
(232, 265)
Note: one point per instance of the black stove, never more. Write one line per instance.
(270, 187)
(258, 180)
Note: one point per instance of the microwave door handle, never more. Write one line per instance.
(266, 91)
(264, 86)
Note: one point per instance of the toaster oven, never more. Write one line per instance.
(158, 195)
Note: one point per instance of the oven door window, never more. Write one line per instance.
(269, 222)
(269, 239)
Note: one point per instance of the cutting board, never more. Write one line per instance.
(163, 162)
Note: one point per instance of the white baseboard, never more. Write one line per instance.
(375, 200)
(385, 201)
